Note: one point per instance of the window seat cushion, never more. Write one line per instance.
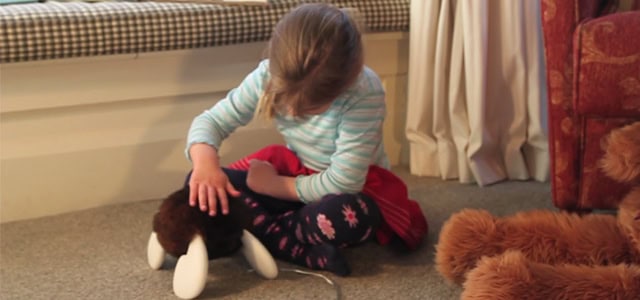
(55, 30)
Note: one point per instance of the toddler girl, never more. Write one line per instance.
(324, 190)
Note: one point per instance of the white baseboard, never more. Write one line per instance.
(86, 132)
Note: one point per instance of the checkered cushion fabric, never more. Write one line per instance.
(57, 30)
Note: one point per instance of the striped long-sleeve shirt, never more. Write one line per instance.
(339, 143)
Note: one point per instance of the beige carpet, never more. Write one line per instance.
(100, 254)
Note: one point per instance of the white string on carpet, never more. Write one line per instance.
(326, 279)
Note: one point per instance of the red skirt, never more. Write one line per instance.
(401, 215)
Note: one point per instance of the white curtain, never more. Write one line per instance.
(477, 101)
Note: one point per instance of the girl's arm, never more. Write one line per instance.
(235, 110)
(264, 179)
(359, 141)
(209, 185)
(358, 144)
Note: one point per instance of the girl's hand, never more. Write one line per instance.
(261, 174)
(207, 186)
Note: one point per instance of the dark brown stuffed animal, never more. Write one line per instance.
(552, 255)
(194, 237)
(176, 224)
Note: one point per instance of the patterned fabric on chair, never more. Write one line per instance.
(592, 55)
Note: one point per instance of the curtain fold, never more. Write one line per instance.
(476, 99)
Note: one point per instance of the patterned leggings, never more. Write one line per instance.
(310, 235)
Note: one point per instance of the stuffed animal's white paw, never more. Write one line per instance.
(190, 275)
(258, 256)
(155, 252)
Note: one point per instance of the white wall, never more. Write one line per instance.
(85, 132)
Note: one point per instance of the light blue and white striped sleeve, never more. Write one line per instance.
(235, 110)
(359, 137)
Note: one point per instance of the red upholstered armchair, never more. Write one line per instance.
(592, 54)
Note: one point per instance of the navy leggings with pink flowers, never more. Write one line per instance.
(310, 235)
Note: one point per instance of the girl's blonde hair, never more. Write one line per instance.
(315, 54)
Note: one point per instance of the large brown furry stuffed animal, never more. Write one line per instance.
(552, 255)
(194, 238)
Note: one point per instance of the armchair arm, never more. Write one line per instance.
(606, 63)
(559, 21)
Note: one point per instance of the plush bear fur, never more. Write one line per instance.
(621, 159)
(552, 255)
(542, 236)
(511, 275)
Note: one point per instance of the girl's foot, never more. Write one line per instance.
(317, 257)
(328, 257)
